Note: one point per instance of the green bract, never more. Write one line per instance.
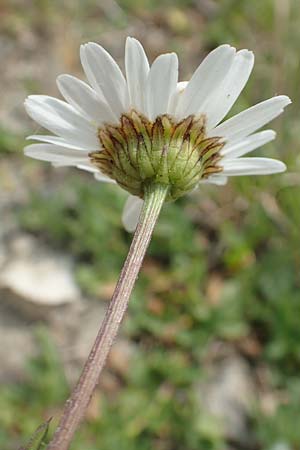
(139, 152)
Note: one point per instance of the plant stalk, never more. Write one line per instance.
(76, 406)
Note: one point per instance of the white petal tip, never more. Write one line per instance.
(83, 48)
(33, 151)
(247, 56)
(132, 39)
(63, 77)
(32, 97)
(279, 166)
(253, 166)
(227, 46)
(28, 102)
(267, 134)
(246, 53)
(285, 100)
(270, 133)
(93, 46)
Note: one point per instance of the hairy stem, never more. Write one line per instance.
(77, 404)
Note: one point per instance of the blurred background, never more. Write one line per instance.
(209, 353)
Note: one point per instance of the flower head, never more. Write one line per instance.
(150, 128)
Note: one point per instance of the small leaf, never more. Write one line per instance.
(37, 441)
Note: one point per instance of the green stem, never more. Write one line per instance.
(77, 404)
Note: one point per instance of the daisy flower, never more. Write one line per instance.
(158, 139)
(149, 128)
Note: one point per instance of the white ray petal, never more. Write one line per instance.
(88, 167)
(181, 85)
(219, 180)
(68, 163)
(223, 98)
(247, 144)
(251, 119)
(131, 212)
(206, 79)
(63, 111)
(57, 155)
(137, 70)
(85, 99)
(56, 140)
(99, 176)
(253, 166)
(107, 77)
(161, 84)
(91, 77)
(62, 119)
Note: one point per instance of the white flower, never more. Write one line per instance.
(153, 92)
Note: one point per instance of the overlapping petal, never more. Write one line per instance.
(62, 119)
(177, 94)
(137, 71)
(251, 119)
(206, 79)
(248, 144)
(223, 98)
(56, 140)
(161, 84)
(86, 100)
(56, 154)
(105, 76)
(253, 166)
